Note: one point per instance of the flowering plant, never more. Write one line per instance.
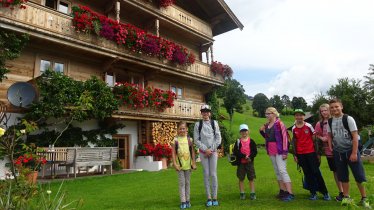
(137, 97)
(30, 160)
(165, 3)
(219, 68)
(162, 151)
(135, 39)
(13, 3)
(144, 150)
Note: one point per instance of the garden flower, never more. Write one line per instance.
(49, 192)
(2, 131)
(23, 131)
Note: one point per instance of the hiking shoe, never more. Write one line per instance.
(313, 197)
(188, 204)
(252, 196)
(209, 203)
(215, 203)
(364, 203)
(281, 194)
(326, 197)
(183, 205)
(339, 197)
(242, 196)
(288, 197)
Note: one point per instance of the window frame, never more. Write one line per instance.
(57, 5)
(177, 87)
(53, 61)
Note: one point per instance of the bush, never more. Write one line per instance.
(116, 164)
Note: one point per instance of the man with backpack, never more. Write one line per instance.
(207, 138)
(344, 142)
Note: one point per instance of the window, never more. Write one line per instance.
(112, 78)
(45, 64)
(177, 90)
(59, 5)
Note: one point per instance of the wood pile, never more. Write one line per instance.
(164, 132)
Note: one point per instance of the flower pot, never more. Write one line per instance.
(164, 163)
(31, 177)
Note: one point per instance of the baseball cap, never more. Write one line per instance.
(300, 111)
(243, 127)
(205, 107)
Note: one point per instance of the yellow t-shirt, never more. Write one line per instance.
(183, 156)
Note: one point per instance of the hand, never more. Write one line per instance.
(353, 157)
(177, 168)
(194, 166)
(319, 158)
(262, 128)
(295, 158)
(208, 153)
(324, 139)
(284, 157)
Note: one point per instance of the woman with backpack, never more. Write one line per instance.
(183, 155)
(207, 138)
(276, 136)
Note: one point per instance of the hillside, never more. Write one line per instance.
(254, 123)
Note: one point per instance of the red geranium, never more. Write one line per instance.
(144, 150)
(162, 151)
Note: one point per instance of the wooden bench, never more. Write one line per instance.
(86, 156)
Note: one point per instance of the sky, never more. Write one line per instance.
(298, 47)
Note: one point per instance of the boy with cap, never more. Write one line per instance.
(207, 138)
(245, 151)
(306, 155)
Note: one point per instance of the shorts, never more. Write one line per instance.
(331, 163)
(246, 169)
(342, 162)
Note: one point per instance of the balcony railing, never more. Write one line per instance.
(188, 20)
(50, 23)
(181, 110)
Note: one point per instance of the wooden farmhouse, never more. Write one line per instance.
(57, 41)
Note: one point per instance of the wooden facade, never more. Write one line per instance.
(54, 42)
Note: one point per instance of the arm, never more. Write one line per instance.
(193, 156)
(196, 137)
(218, 138)
(173, 155)
(253, 150)
(262, 131)
(353, 157)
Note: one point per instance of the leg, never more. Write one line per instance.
(282, 168)
(275, 167)
(182, 186)
(213, 173)
(341, 163)
(359, 174)
(205, 165)
(187, 176)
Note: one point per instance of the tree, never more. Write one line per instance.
(286, 101)
(234, 96)
(317, 101)
(354, 99)
(299, 103)
(277, 103)
(369, 88)
(260, 103)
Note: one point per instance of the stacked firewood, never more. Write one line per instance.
(164, 132)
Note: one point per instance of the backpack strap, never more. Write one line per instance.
(345, 124)
(200, 127)
(176, 150)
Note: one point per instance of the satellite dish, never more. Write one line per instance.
(21, 94)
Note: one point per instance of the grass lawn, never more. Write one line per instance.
(254, 123)
(159, 190)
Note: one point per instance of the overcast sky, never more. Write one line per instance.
(298, 47)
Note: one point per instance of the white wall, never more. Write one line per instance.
(131, 128)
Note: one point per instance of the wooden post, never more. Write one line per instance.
(117, 10)
(157, 27)
(211, 51)
(207, 56)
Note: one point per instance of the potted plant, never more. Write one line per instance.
(162, 152)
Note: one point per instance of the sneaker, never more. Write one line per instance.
(242, 196)
(209, 203)
(346, 201)
(281, 194)
(183, 205)
(313, 197)
(188, 204)
(365, 203)
(339, 197)
(288, 197)
(326, 197)
(215, 203)
(252, 196)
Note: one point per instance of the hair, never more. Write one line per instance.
(273, 110)
(323, 106)
(335, 100)
(182, 123)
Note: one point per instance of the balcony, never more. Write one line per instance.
(182, 109)
(180, 16)
(51, 25)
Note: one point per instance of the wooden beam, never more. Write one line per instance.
(108, 64)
